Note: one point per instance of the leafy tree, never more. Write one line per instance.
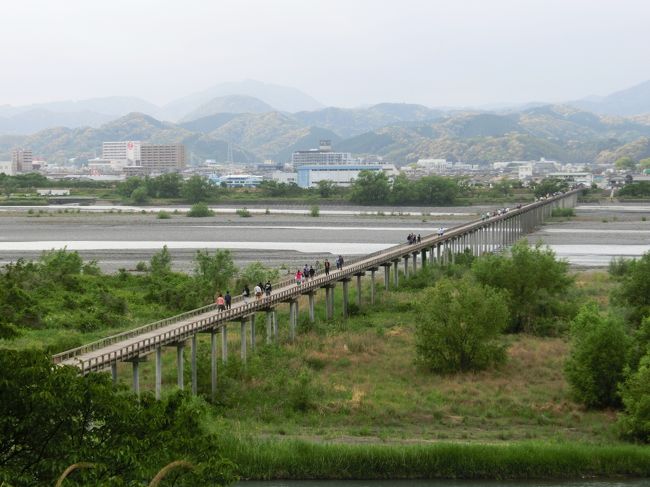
(161, 262)
(256, 272)
(403, 191)
(503, 187)
(140, 195)
(635, 395)
(459, 326)
(214, 271)
(597, 359)
(197, 189)
(534, 280)
(126, 188)
(550, 186)
(634, 290)
(645, 163)
(625, 163)
(326, 188)
(370, 188)
(168, 185)
(436, 190)
(638, 189)
(51, 417)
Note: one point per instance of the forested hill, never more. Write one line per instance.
(401, 133)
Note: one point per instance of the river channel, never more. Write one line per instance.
(289, 237)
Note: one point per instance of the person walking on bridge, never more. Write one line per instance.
(268, 288)
(299, 278)
(326, 264)
(228, 299)
(221, 302)
(246, 293)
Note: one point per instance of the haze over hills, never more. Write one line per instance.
(630, 101)
(402, 133)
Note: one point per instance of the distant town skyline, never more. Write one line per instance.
(437, 53)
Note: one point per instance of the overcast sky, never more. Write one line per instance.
(344, 53)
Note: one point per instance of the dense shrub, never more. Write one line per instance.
(51, 417)
(200, 210)
(535, 282)
(634, 291)
(563, 212)
(459, 326)
(597, 359)
(635, 394)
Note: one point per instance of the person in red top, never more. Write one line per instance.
(221, 302)
(299, 277)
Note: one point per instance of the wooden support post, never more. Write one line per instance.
(158, 372)
(213, 363)
(194, 351)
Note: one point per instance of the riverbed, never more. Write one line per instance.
(288, 236)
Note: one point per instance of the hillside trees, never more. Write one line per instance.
(625, 163)
(374, 188)
(371, 188)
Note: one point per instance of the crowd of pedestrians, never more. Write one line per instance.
(412, 238)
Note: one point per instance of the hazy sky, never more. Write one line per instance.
(345, 53)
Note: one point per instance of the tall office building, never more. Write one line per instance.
(22, 160)
(160, 158)
(322, 155)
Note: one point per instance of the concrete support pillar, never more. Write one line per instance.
(275, 325)
(293, 318)
(415, 261)
(396, 276)
(114, 372)
(213, 363)
(372, 285)
(452, 250)
(329, 302)
(346, 297)
(253, 333)
(423, 256)
(438, 254)
(224, 343)
(406, 265)
(180, 379)
(269, 326)
(358, 276)
(195, 386)
(136, 376)
(312, 315)
(243, 339)
(386, 276)
(158, 372)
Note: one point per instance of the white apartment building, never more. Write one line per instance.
(322, 155)
(8, 168)
(123, 152)
(23, 159)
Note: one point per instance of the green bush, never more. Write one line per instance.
(200, 210)
(459, 326)
(597, 358)
(244, 213)
(634, 291)
(163, 215)
(635, 394)
(314, 211)
(139, 195)
(535, 282)
(563, 212)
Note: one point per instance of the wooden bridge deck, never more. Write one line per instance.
(143, 340)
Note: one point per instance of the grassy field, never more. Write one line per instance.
(356, 381)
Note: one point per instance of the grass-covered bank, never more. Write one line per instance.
(300, 460)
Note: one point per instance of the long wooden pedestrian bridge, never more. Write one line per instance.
(480, 237)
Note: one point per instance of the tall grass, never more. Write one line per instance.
(265, 459)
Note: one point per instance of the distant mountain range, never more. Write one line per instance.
(554, 132)
(269, 126)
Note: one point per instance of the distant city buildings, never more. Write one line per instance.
(238, 180)
(323, 164)
(22, 159)
(8, 168)
(133, 157)
(322, 155)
